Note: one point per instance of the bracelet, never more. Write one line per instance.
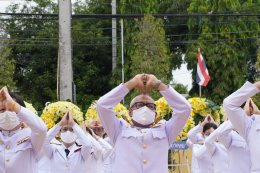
(157, 84)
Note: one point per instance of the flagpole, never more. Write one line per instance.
(200, 90)
(199, 85)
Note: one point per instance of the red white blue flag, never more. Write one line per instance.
(202, 71)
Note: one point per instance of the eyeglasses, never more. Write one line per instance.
(65, 129)
(138, 105)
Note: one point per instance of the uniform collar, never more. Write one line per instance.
(10, 133)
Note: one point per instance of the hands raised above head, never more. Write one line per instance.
(251, 108)
(208, 119)
(145, 83)
(7, 102)
(67, 120)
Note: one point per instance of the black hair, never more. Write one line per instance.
(17, 98)
(209, 126)
(89, 131)
(243, 105)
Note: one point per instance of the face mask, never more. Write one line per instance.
(143, 115)
(8, 120)
(68, 137)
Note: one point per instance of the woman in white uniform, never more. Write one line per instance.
(68, 157)
(201, 160)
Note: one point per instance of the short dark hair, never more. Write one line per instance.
(209, 126)
(17, 98)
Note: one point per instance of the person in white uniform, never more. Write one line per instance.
(68, 157)
(96, 161)
(201, 159)
(142, 147)
(218, 152)
(19, 147)
(247, 127)
(236, 148)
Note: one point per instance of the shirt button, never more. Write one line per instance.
(7, 160)
(144, 161)
(144, 146)
(7, 147)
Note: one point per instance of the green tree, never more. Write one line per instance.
(7, 68)
(227, 44)
(151, 54)
(34, 45)
(180, 88)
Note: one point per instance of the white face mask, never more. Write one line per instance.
(68, 137)
(144, 116)
(8, 120)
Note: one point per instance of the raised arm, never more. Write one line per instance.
(37, 126)
(48, 148)
(181, 111)
(193, 133)
(106, 148)
(210, 142)
(85, 141)
(223, 133)
(107, 102)
(237, 115)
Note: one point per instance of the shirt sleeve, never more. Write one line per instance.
(181, 111)
(193, 133)
(210, 143)
(48, 148)
(37, 126)
(106, 113)
(224, 133)
(199, 150)
(237, 115)
(86, 144)
(106, 148)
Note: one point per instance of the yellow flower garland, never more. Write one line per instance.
(120, 109)
(53, 112)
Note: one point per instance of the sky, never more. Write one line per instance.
(181, 75)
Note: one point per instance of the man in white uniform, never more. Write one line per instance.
(143, 146)
(19, 147)
(247, 127)
(68, 157)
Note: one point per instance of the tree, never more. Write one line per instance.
(151, 54)
(34, 45)
(227, 44)
(180, 88)
(7, 68)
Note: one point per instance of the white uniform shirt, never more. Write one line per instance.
(202, 162)
(19, 150)
(95, 163)
(77, 157)
(237, 149)
(247, 127)
(137, 150)
(218, 153)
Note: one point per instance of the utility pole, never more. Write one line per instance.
(114, 37)
(65, 72)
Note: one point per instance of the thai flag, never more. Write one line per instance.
(202, 71)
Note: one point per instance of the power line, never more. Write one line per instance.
(110, 16)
